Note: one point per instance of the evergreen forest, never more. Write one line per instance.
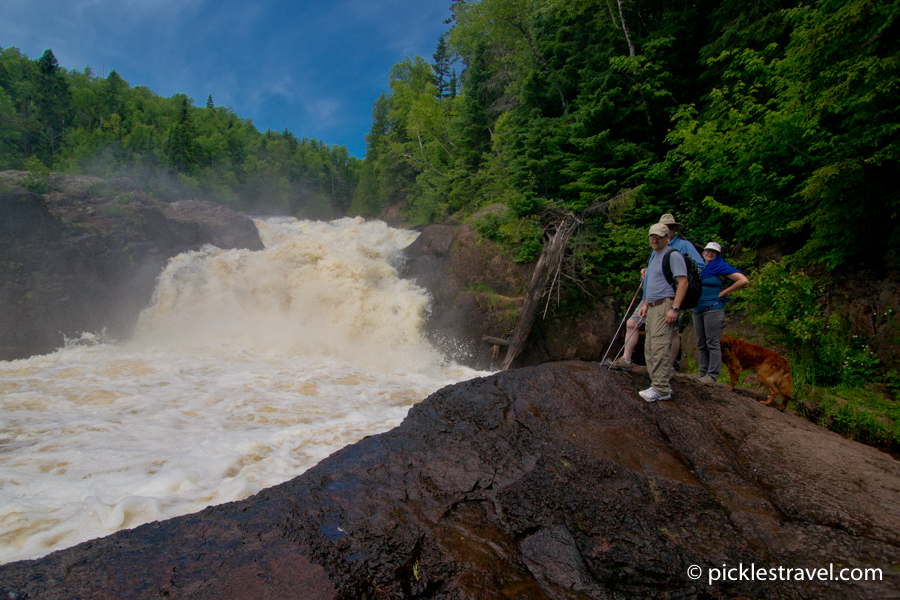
(79, 123)
(771, 126)
(768, 121)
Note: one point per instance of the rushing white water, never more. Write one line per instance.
(246, 369)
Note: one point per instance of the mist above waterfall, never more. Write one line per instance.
(247, 368)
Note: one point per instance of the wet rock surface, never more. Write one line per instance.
(477, 290)
(85, 256)
(555, 481)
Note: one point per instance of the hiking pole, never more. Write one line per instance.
(627, 312)
(633, 331)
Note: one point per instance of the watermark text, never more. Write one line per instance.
(753, 572)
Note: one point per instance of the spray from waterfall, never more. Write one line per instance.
(246, 369)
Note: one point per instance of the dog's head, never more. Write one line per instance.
(726, 344)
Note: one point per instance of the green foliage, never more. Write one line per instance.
(116, 211)
(37, 176)
(76, 122)
(180, 145)
(800, 140)
(836, 376)
(757, 124)
(520, 233)
(891, 380)
(441, 68)
(528, 236)
(861, 364)
(612, 254)
(788, 304)
(857, 412)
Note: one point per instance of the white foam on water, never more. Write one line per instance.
(247, 369)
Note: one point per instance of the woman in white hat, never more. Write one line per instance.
(709, 314)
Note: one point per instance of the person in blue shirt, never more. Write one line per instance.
(709, 314)
(634, 321)
(661, 310)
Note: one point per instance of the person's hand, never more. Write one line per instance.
(643, 273)
(671, 316)
(642, 311)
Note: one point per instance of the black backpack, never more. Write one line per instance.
(695, 287)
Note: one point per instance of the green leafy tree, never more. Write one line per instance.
(798, 144)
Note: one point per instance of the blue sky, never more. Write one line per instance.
(312, 66)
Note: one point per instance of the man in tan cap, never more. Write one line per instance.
(661, 309)
(634, 321)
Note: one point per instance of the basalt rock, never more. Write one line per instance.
(557, 482)
(869, 304)
(477, 290)
(84, 256)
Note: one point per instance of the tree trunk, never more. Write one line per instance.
(625, 29)
(547, 264)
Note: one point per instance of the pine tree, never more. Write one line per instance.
(54, 103)
(209, 102)
(180, 147)
(111, 96)
(441, 67)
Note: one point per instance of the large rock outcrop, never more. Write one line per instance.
(477, 290)
(85, 256)
(548, 482)
(870, 305)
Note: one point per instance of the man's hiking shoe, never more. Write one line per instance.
(622, 365)
(651, 395)
(706, 380)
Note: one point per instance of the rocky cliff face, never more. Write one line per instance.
(478, 291)
(85, 256)
(548, 482)
(871, 305)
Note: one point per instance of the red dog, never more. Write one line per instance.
(774, 371)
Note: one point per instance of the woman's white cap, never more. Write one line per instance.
(714, 246)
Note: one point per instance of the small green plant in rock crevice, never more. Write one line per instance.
(37, 176)
(113, 210)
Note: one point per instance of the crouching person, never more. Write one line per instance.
(660, 309)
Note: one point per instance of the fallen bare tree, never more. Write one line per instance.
(561, 226)
(549, 263)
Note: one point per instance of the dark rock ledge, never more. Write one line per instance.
(85, 256)
(549, 482)
(477, 290)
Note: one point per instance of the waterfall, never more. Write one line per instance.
(246, 369)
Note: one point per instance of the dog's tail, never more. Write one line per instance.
(787, 386)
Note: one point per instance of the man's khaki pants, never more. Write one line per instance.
(658, 346)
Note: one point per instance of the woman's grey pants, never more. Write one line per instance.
(708, 328)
